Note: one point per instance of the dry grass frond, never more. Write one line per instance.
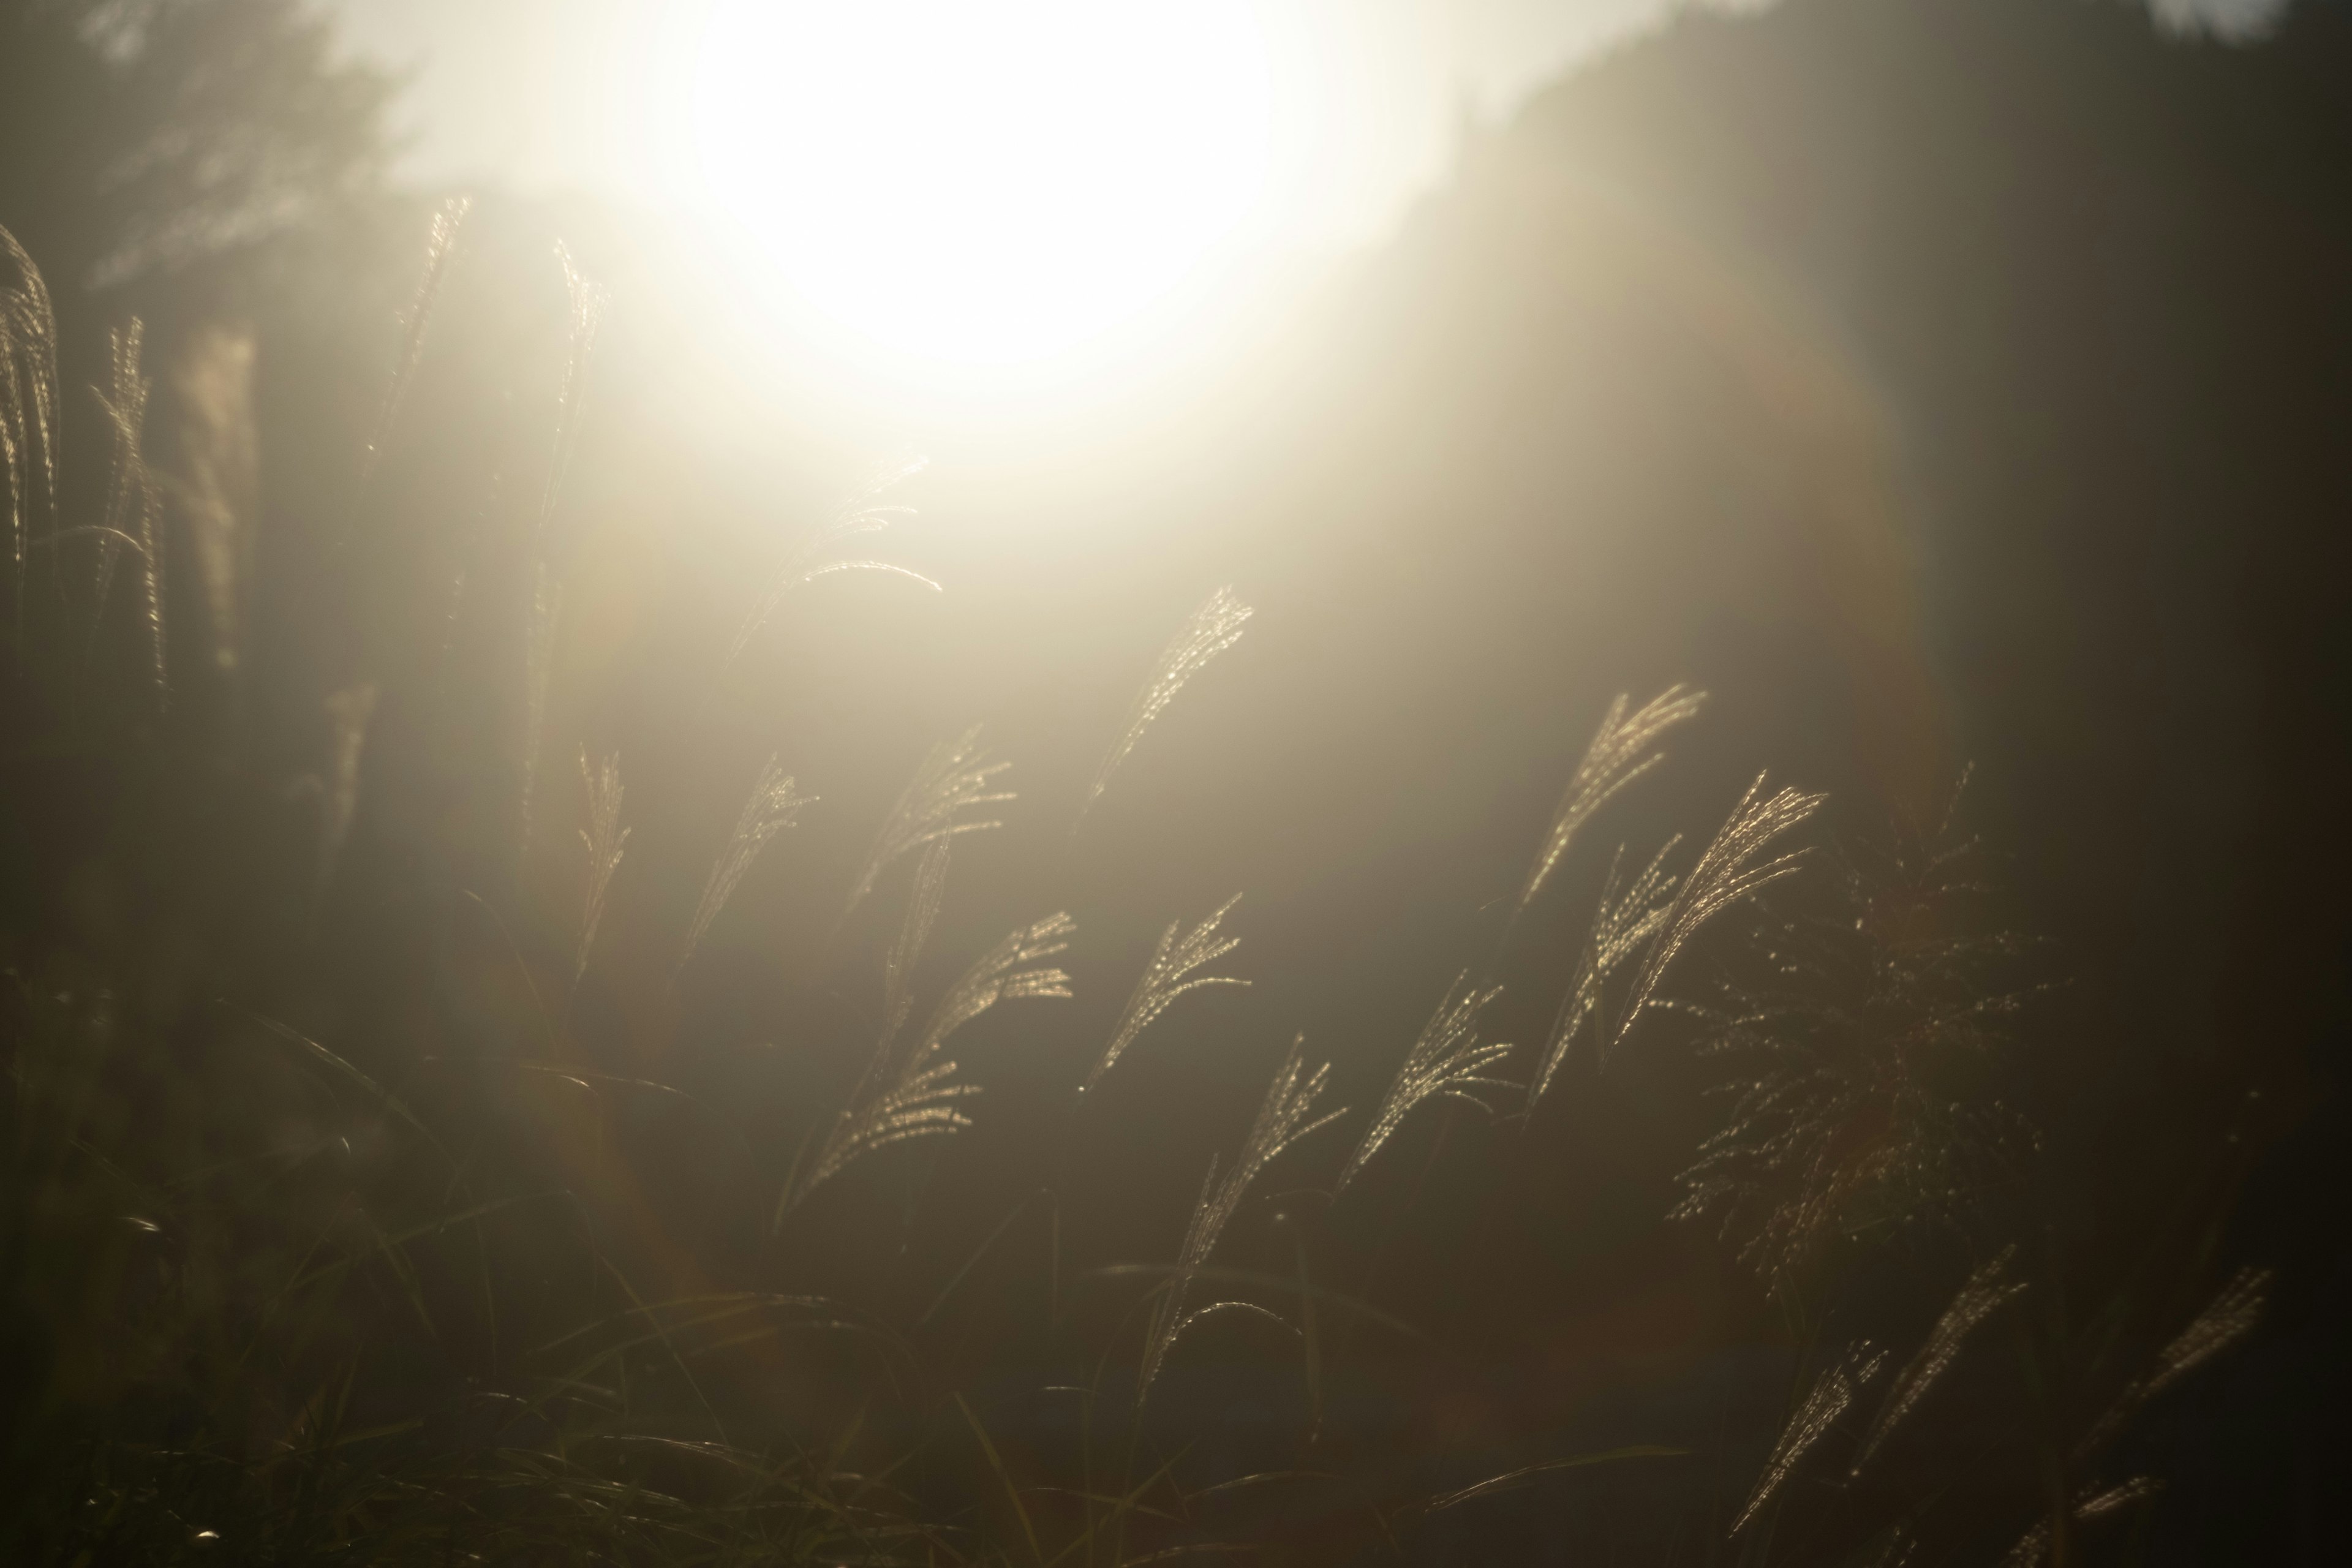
(1447, 1059)
(2230, 1317)
(1727, 871)
(923, 900)
(349, 710)
(1164, 979)
(1625, 918)
(1287, 1116)
(773, 806)
(1000, 976)
(2032, 1548)
(133, 504)
(1832, 1392)
(1620, 752)
(918, 1099)
(28, 415)
(440, 240)
(539, 670)
(588, 300)
(1215, 626)
(604, 839)
(1986, 1291)
(953, 779)
(859, 514)
(1856, 1061)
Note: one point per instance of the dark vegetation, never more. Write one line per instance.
(1925, 380)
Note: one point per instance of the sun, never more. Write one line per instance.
(985, 181)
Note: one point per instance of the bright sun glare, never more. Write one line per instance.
(986, 184)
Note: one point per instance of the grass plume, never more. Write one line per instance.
(1987, 1290)
(134, 506)
(586, 299)
(1210, 629)
(954, 779)
(28, 416)
(605, 841)
(916, 1097)
(1727, 871)
(1626, 915)
(440, 241)
(1446, 1060)
(772, 805)
(1167, 977)
(1832, 1392)
(862, 513)
(1623, 750)
(2230, 1317)
(1286, 1115)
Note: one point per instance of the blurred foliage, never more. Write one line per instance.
(399, 1157)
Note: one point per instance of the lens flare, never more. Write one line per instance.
(986, 183)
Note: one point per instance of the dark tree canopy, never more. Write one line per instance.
(146, 137)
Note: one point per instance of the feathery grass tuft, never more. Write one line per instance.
(1726, 872)
(440, 240)
(923, 900)
(587, 299)
(1832, 1392)
(773, 806)
(1987, 1290)
(1164, 979)
(1287, 1116)
(349, 710)
(952, 780)
(1622, 751)
(2032, 1548)
(2230, 1317)
(133, 505)
(1447, 1059)
(918, 1099)
(538, 672)
(859, 514)
(1215, 626)
(1622, 919)
(29, 418)
(604, 839)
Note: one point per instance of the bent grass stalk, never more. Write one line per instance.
(604, 839)
(1446, 1060)
(1287, 1116)
(29, 418)
(773, 806)
(1726, 872)
(1622, 919)
(1832, 1392)
(952, 780)
(918, 1099)
(1215, 626)
(1178, 954)
(859, 514)
(1623, 750)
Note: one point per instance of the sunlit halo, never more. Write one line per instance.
(985, 180)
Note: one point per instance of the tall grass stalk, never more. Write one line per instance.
(773, 806)
(1165, 978)
(29, 420)
(1207, 632)
(1623, 750)
(1727, 871)
(954, 779)
(605, 841)
(1286, 1115)
(861, 513)
(1626, 915)
(1832, 1392)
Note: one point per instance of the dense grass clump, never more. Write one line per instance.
(411, 1157)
